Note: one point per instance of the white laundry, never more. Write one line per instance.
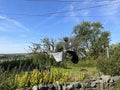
(58, 56)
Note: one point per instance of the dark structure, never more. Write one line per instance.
(74, 56)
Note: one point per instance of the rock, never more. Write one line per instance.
(67, 83)
(97, 81)
(111, 80)
(116, 78)
(35, 87)
(57, 82)
(51, 87)
(44, 87)
(40, 86)
(64, 87)
(69, 87)
(28, 89)
(77, 85)
(20, 89)
(86, 83)
(106, 78)
(93, 85)
(58, 85)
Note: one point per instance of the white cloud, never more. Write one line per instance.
(11, 25)
(18, 24)
(2, 17)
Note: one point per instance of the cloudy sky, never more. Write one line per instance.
(26, 21)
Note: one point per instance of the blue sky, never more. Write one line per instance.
(25, 21)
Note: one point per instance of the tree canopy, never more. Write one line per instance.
(90, 38)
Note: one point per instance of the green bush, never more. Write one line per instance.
(117, 86)
(18, 64)
(87, 62)
(110, 65)
(42, 59)
(7, 80)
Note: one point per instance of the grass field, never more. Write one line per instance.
(84, 66)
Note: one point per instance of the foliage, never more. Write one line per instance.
(11, 81)
(40, 59)
(117, 86)
(88, 62)
(7, 80)
(45, 45)
(22, 80)
(103, 64)
(90, 39)
(40, 52)
(59, 47)
(18, 64)
(48, 44)
(110, 65)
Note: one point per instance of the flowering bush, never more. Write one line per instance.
(22, 80)
(35, 77)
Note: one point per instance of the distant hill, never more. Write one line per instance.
(13, 56)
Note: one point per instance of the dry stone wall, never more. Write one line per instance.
(98, 83)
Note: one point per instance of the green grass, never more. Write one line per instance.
(81, 67)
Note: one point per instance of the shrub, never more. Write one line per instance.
(18, 64)
(117, 86)
(11, 81)
(7, 80)
(110, 65)
(42, 59)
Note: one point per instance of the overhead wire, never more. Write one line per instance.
(61, 12)
(72, 16)
(65, 0)
(54, 0)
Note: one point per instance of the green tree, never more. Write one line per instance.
(39, 52)
(59, 47)
(64, 44)
(48, 44)
(90, 38)
(38, 55)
